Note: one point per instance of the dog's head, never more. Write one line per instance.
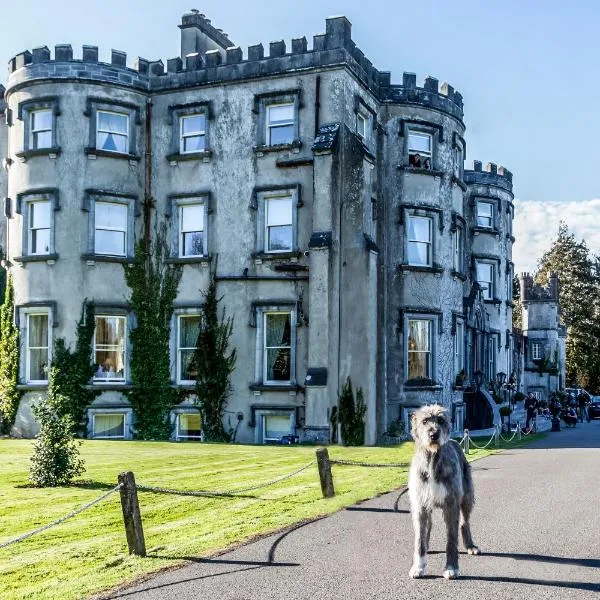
(430, 426)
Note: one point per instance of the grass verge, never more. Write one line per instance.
(88, 553)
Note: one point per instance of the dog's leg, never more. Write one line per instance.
(451, 516)
(466, 508)
(422, 526)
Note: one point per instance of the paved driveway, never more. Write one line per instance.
(537, 521)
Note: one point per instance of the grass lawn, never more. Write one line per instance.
(88, 553)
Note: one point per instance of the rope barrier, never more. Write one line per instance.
(508, 440)
(482, 447)
(354, 463)
(204, 493)
(62, 519)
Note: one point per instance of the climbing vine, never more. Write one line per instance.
(9, 360)
(352, 415)
(153, 284)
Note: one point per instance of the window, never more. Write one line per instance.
(457, 250)
(38, 223)
(109, 348)
(110, 224)
(191, 230)
(280, 124)
(108, 426)
(509, 221)
(278, 224)
(112, 131)
(419, 241)
(419, 349)
(37, 355)
(485, 214)
(458, 162)
(113, 128)
(485, 278)
(459, 347)
(509, 284)
(491, 373)
(277, 347)
(189, 426)
(40, 129)
(274, 427)
(419, 149)
(192, 130)
(188, 327)
(536, 351)
(362, 126)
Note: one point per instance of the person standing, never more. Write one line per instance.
(582, 402)
(530, 408)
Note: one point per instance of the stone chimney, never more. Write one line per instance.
(198, 36)
(553, 285)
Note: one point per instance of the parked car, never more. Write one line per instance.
(574, 392)
(594, 408)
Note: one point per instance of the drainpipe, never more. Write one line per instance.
(148, 201)
(317, 103)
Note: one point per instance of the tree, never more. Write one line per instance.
(352, 415)
(214, 364)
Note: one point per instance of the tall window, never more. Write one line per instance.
(109, 348)
(458, 162)
(457, 250)
(277, 346)
(419, 241)
(37, 347)
(192, 133)
(485, 278)
(536, 351)
(112, 131)
(419, 348)
(485, 214)
(40, 129)
(362, 126)
(280, 124)
(491, 374)
(419, 149)
(459, 347)
(278, 224)
(188, 327)
(39, 227)
(191, 230)
(110, 225)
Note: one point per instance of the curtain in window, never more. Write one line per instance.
(188, 337)
(38, 347)
(418, 349)
(275, 427)
(277, 342)
(109, 426)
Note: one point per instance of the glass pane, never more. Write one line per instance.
(193, 124)
(484, 272)
(193, 243)
(109, 364)
(112, 122)
(109, 426)
(41, 119)
(38, 361)
(282, 113)
(420, 142)
(39, 215)
(42, 139)
(112, 142)
(418, 364)
(194, 143)
(110, 331)
(276, 426)
(281, 135)
(192, 217)
(280, 238)
(189, 425)
(40, 241)
(279, 211)
(418, 253)
(419, 229)
(418, 335)
(484, 209)
(111, 216)
(360, 125)
(278, 364)
(110, 242)
(188, 331)
(187, 368)
(278, 329)
(38, 331)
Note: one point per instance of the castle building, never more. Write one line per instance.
(332, 205)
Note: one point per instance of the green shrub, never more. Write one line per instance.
(505, 411)
(352, 415)
(518, 397)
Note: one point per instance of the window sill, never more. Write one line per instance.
(49, 152)
(188, 260)
(294, 161)
(276, 255)
(204, 156)
(458, 275)
(490, 230)
(461, 184)
(32, 387)
(107, 258)
(422, 388)
(122, 155)
(492, 301)
(109, 387)
(264, 149)
(49, 258)
(421, 269)
(421, 171)
(285, 387)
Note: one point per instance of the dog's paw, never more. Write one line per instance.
(451, 573)
(474, 550)
(416, 572)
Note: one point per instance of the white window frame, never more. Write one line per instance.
(459, 346)
(124, 231)
(37, 313)
(179, 348)
(30, 230)
(430, 337)
(178, 435)
(264, 418)
(266, 348)
(268, 198)
(489, 217)
(488, 292)
(424, 154)
(112, 380)
(180, 208)
(363, 117)
(199, 133)
(269, 127)
(33, 132)
(491, 366)
(536, 351)
(108, 437)
(457, 250)
(428, 243)
(125, 135)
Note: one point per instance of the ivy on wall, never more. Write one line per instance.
(153, 284)
(9, 360)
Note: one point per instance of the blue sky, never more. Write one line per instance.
(529, 73)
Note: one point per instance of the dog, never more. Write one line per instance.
(440, 477)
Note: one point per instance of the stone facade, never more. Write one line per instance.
(332, 205)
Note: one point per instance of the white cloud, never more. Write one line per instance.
(536, 225)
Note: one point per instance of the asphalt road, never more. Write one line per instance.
(537, 522)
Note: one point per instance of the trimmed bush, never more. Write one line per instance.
(352, 415)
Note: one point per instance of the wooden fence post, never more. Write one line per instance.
(466, 441)
(131, 515)
(325, 473)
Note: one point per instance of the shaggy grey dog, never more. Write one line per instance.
(440, 476)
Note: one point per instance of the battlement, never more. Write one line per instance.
(490, 174)
(531, 291)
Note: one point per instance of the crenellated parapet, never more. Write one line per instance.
(531, 291)
(491, 174)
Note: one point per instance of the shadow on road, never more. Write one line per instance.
(561, 560)
(574, 585)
